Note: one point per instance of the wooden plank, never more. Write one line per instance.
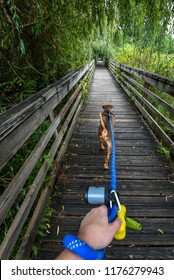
(131, 201)
(136, 239)
(94, 142)
(119, 136)
(87, 150)
(120, 124)
(90, 128)
(119, 143)
(125, 187)
(79, 208)
(154, 226)
(48, 251)
(73, 159)
(133, 173)
(140, 253)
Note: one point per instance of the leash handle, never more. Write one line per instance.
(121, 233)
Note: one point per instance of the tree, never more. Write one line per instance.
(42, 40)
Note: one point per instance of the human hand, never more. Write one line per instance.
(95, 229)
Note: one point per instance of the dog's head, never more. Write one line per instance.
(107, 108)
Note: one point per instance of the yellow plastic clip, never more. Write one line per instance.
(121, 233)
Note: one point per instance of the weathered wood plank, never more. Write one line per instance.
(146, 173)
(94, 142)
(146, 151)
(48, 251)
(125, 187)
(121, 135)
(133, 201)
(140, 253)
(133, 239)
(121, 160)
(75, 208)
(156, 226)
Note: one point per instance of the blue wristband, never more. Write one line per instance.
(82, 249)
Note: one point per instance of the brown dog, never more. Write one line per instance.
(104, 133)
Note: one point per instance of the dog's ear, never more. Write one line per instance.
(110, 107)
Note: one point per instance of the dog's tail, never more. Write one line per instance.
(101, 120)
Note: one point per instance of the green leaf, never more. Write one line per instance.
(35, 250)
(164, 151)
(48, 159)
(21, 46)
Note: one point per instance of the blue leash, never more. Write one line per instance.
(97, 194)
(112, 211)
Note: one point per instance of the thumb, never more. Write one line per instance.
(115, 225)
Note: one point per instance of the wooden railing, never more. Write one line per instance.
(58, 106)
(137, 84)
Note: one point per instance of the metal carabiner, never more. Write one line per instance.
(117, 199)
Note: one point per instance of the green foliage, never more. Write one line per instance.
(45, 222)
(44, 40)
(15, 91)
(164, 151)
(147, 59)
(48, 160)
(35, 250)
(44, 227)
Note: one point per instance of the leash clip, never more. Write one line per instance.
(115, 199)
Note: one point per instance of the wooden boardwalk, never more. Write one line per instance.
(142, 179)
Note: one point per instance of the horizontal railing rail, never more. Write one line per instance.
(137, 84)
(57, 108)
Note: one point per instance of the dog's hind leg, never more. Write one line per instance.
(109, 145)
(102, 147)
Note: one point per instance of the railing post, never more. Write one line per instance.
(52, 118)
(106, 61)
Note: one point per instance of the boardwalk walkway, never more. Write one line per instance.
(142, 179)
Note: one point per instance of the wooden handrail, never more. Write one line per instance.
(22, 120)
(153, 79)
(131, 80)
(16, 126)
